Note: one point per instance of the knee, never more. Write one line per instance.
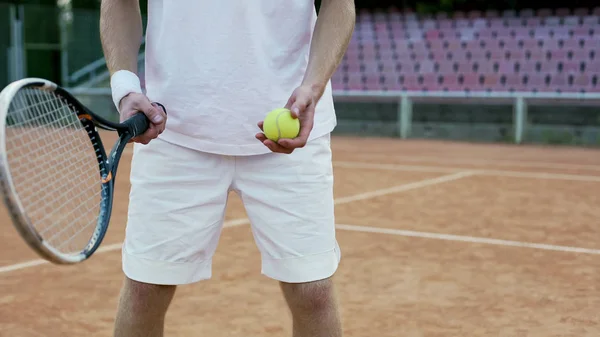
(311, 296)
(140, 297)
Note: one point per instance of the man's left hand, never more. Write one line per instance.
(302, 105)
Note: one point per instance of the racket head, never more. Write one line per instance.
(54, 176)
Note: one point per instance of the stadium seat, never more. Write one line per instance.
(533, 51)
(512, 82)
(572, 20)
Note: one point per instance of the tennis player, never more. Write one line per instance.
(219, 67)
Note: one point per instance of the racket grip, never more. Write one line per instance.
(137, 124)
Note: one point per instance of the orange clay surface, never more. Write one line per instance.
(435, 237)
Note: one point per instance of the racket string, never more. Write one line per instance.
(67, 215)
(54, 169)
(55, 153)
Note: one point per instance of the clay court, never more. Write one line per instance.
(437, 238)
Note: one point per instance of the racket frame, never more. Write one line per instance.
(90, 121)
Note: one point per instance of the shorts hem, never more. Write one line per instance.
(164, 272)
(302, 269)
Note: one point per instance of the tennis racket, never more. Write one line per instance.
(55, 176)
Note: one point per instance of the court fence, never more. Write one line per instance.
(58, 43)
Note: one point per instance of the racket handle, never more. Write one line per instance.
(137, 124)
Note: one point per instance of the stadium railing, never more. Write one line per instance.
(405, 99)
(519, 100)
(95, 72)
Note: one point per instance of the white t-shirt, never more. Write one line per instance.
(220, 66)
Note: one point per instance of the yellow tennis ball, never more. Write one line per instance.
(279, 123)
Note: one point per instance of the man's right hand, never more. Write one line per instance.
(135, 103)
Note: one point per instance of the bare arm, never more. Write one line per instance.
(333, 30)
(121, 33)
(332, 34)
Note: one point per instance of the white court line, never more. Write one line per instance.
(102, 249)
(23, 265)
(471, 239)
(245, 221)
(515, 174)
(404, 187)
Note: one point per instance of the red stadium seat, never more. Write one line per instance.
(474, 14)
(470, 81)
(561, 32)
(533, 22)
(550, 66)
(373, 82)
(570, 67)
(354, 81)
(496, 23)
(445, 67)
(552, 21)
(515, 22)
(571, 44)
(548, 52)
(529, 66)
(410, 82)
(526, 13)
(407, 67)
(559, 82)
(562, 11)
(424, 66)
(464, 67)
(390, 82)
(544, 12)
(506, 67)
(491, 13)
(516, 54)
(485, 67)
(581, 82)
(590, 20)
(572, 20)
(513, 82)
(536, 82)
(449, 82)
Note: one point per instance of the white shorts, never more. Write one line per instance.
(177, 205)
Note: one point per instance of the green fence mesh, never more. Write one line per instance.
(4, 43)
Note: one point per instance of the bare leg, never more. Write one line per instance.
(314, 308)
(142, 309)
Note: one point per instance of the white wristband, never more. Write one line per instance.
(122, 83)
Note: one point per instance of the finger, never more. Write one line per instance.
(151, 133)
(155, 115)
(274, 147)
(299, 105)
(306, 125)
(261, 137)
(290, 101)
(260, 125)
(161, 108)
(140, 140)
(295, 143)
